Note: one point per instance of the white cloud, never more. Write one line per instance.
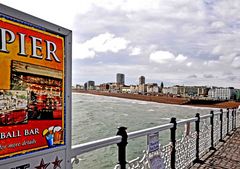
(166, 57)
(228, 58)
(236, 62)
(127, 5)
(180, 58)
(161, 57)
(211, 63)
(218, 24)
(217, 49)
(80, 51)
(201, 30)
(106, 42)
(189, 64)
(135, 51)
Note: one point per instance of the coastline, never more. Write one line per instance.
(162, 99)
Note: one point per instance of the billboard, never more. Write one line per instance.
(31, 89)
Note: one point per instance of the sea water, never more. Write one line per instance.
(96, 117)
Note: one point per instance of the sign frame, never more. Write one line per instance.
(67, 35)
(153, 142)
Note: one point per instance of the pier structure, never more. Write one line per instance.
(226, 154)
(205, 141)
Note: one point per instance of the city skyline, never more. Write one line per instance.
(140, 81)
(178, 42)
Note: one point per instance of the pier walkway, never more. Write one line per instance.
(226, 156)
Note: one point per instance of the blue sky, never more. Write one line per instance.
(184, 42)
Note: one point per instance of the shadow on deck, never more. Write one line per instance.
(227, 155)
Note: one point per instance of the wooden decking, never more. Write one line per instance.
(226, 156)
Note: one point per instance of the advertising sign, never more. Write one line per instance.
(153, 142)
(31, 89)
(53, 160)
(156, 161)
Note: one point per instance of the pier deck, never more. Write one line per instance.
(226, 156)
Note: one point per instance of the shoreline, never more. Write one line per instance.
(162, 99)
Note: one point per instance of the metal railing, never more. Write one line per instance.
(207, 131)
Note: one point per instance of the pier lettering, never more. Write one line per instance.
(31, 132)
(7, 37)
(10, 134)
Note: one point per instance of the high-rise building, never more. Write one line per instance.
(120, 78)
(90, 85)
(141, 80)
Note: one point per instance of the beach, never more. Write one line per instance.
(164, 99)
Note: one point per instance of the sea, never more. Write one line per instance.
(96, 117)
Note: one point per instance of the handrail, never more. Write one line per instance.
(217, 113)
(122, 136)
(144, 132)
(93, 145)
(184, 121)
(205, 116)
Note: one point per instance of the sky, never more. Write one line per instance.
(177, 42)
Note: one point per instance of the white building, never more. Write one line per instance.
(221, 93)
(142, 88)
(174, 90)
(152, 88)
(126, 89)
(133, 88)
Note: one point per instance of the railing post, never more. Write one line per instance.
(197, 129)
(221, 126)
(212, 130)
(122, 147)
(173, 140)
(232, 119)
(228, 122)
(235, 118)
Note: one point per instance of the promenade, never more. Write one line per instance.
(226, 156)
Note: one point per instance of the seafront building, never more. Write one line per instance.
(90, 85)
(104, 87)
(78, 86)
(134, 89)
(221, 93)
(238, 94)
(192, 92)
(142, 87)
(125, 89)
(186, 91)
(141, 80)
(120, 78)
(152, 88)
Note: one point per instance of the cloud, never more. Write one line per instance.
(80, 51)
(161, 57)
(192, 76)
(189, 64)
(236, 62)
(208, 76)
(216, 49)
(135, 51)
(180, 58)
(166, 57)
(102, 43)
(218, 24)
(232, 78)
(193, 37)
(211, 63)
